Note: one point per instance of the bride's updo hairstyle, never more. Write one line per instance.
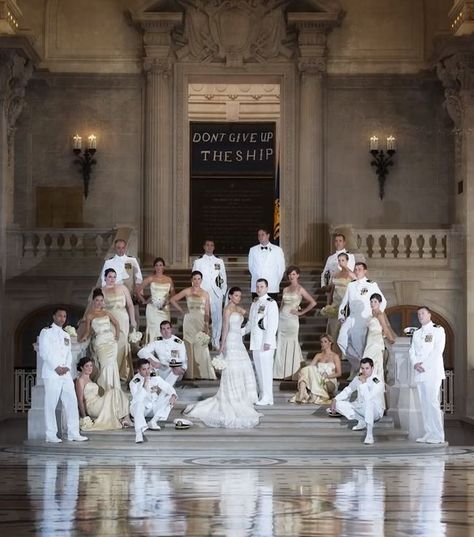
(97, 292)
(233, 290)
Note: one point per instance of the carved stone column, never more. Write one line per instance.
(455, 69)
(310, 213)
(158, 187)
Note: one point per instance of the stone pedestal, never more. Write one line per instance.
(36, 421)
(402, 393)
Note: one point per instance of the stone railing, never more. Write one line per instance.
(63, 242)
(403, 243)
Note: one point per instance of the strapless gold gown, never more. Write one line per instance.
(106, 410)
(288, 355)
(321, 390)
(158, 310)
(105, 351)
(116, 304)
(199, 359)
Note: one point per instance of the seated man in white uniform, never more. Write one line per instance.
(214, 281)
(166, 354)
(367, 408)
(54, 347)
(152, 398)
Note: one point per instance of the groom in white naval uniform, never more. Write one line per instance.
(267, 261)
(426, 355)
(54, 347)
(214, 281)
(263, 326)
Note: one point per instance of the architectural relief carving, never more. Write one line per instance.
(234, 31)
(15, 72)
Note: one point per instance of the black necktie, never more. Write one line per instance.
(263, 247)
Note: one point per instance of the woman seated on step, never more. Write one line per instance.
(317, 382)
(99, 411)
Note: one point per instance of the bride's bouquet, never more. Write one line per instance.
(70, 330)
(330, 310)
(219, 363)
(135, 337)
(203, 339)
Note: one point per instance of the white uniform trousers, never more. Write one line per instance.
(263, 361)
(158, 410)
(351, 341)
(167, 375)
(368, 412)
(430, 410)
(55, 389)
(216, 318)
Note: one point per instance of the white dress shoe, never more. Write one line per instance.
(77, 438)
(369, 439)
(421, 440)
(434, 441)
(263, 403)
(360, 426)
(138, 438)
(153, 425)
(53, 440)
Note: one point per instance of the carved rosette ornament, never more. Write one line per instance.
(15, 72)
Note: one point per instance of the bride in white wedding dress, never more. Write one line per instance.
(232, 406)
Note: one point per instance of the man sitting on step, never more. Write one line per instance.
(367, 408)
(152, 397)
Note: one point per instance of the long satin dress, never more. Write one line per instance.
(232, 406)
(333, 326)
(106, 410)
(320, 390)
(116, 304)
(199, 359)
(288, 355)
(157, 310)
(374, 349)
(105, 350)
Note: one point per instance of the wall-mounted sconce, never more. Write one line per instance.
(85, 160)
(382, 160)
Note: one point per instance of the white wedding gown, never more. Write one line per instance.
(232, 406)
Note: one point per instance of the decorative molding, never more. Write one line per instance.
(461, 17)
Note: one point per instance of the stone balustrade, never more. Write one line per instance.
(82, 242)
(407, 244)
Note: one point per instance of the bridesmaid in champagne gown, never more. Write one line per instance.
(232, 406)
(157, 309)
(317, 382)
(288, 355)
(119, 303)
(196, 322)
(107, 411)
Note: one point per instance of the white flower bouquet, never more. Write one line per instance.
(70, 330)
(219, 363)
(159, 303)
(330, 310)
(135, 337)
(203, 339)
(86, 423)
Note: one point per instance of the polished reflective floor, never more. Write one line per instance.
(399, 493)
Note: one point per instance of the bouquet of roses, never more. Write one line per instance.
(135, 336)
(86, 423)
(70, 330)
(219, 363)
(330, 310)
(203, 339)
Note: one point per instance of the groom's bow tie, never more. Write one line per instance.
(263, 247)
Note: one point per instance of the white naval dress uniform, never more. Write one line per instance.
(332, 264)
(267, 262)
(148, 404)
(214, 281)
(263, 326)
(427, 347)
(55, 349)
(368, 405)
(165, 350)
(127, 269)
(353, 332)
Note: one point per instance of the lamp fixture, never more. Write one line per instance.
(382, 159)
(85, 159)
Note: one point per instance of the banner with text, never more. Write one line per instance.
(232, 149)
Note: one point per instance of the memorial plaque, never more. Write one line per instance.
(232, 184)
